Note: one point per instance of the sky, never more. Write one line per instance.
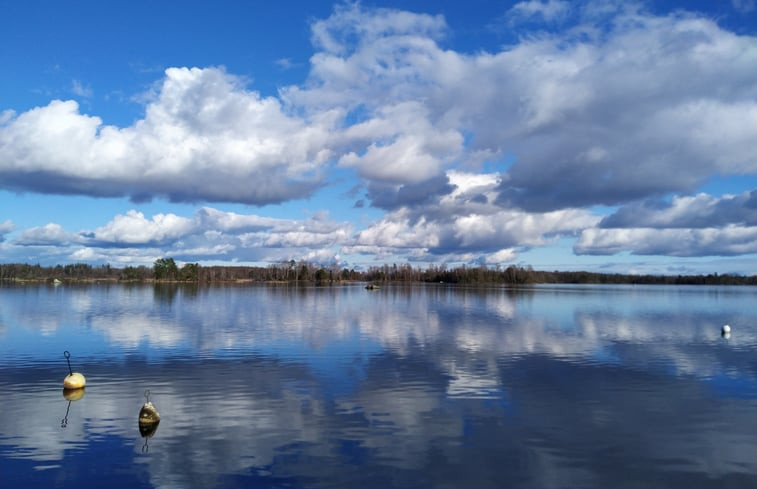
(604, 135)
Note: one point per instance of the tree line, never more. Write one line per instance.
(304, 273)
(516, 275)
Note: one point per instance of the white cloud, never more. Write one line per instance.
(697, 225)
(133, 228)
(204, 137)
(401, 146)
(5, 228)
(133, 238)
(729, 240)
(307, 239)
(618, 107)
(548, 11)
(396, 230)
(49, 234)
(285, 63)
(337, 34)
(465, 224)
(81, 90)
(323, 256)
(590, 116)
(501, 256)
(695, 211)
(210, 218)
(84, 255)
(120, 256)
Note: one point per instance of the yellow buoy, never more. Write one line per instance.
(74, 380)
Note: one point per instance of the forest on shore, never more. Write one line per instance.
(304, 273)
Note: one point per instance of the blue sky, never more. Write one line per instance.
(598, 135)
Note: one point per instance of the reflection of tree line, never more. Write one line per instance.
(166, 270)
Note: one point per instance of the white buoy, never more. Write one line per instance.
(74, 380)
(725, 329)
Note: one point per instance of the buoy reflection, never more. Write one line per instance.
(71, 396)
(64, 421)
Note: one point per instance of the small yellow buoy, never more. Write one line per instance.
(74, 380)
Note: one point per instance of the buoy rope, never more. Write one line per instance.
(68, 355)
(147, 395)
(64, 421)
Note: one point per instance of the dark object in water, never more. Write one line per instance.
(149, 413)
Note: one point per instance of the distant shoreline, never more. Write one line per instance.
(166, 271)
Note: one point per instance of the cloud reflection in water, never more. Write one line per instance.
(422, 386)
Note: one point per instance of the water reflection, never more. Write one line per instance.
(399, 387)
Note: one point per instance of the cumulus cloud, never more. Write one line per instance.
(465, 225)
(686, 226)
(613, 106)
(203, 137)
(633, 116)
(501, 256)
(590, 115)
(401, 145)
(350, 28)
(727, 241)
(82, 252)
(460, 224)
(133, 238)
(134, 228)
(49, 234)
(387, 196)
(698, 211)
(210, 218)
(5, 228)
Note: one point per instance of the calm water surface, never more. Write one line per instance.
(549, 387)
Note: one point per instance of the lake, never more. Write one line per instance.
(405, 386)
